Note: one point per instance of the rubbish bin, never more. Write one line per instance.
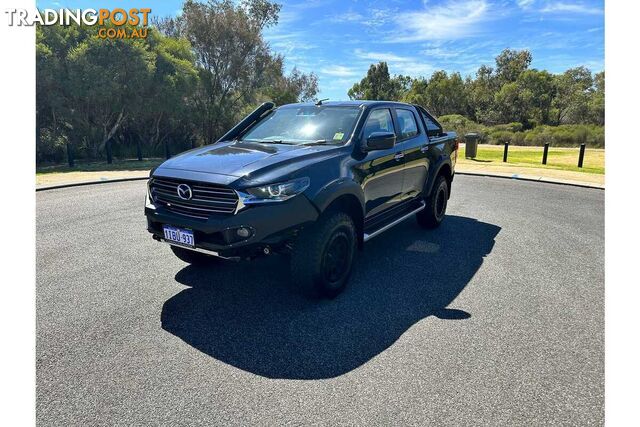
(471, 141)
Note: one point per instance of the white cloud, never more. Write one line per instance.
(347, 17)
(339, 71)
(449, 21)
(414, 69)
(571, 8)
(288, 42)
(437, 52)
(525, 4)
(379, 17)
(380, 56)
(398, 64)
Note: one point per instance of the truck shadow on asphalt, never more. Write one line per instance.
(246, 314)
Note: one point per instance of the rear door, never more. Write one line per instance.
(435, 150)
(413, 143)
(380, 172)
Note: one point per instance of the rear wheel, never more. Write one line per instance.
(193, 257)
(433, 214)
(322, 259)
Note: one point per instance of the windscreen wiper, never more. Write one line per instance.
(272, 141)
(316, 142)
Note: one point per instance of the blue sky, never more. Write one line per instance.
(339, 39)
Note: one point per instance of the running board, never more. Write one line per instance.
(368, 237)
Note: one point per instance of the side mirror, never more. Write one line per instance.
(434, 132)
(380, 141)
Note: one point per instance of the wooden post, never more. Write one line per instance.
(544, 154)
(506, 152)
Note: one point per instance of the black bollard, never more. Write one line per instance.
(506, 152)
(544, 154)
(581, 157)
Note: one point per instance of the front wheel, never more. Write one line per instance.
(322, 259)
(433, 214)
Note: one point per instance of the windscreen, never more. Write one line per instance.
(305, 125)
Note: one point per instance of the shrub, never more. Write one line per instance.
(558, 136)
(51, 148)
(462, 125)
(514, 133)
(566, 135)
(510, 127)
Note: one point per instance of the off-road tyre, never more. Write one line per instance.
(436, 205)
(323, 256)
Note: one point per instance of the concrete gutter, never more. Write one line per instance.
(79, 184)
(535, 179)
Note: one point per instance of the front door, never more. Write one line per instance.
(380, 172)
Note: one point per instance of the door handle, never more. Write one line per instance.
(398, 156)
(424, 148)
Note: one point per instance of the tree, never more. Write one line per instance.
(574, 89)
(103, 102)
(379, 85)
(481, 95)
(53, 44)
(296, 87)
(511, 63)
(536, 92)
(417, 94)
(172, 84)
(526, 100)
(446, 94)
(232, 56)
(596, 106)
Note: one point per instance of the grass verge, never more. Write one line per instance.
(531, 157)
(120, 165)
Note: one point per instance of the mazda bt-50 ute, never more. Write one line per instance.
(314, 181)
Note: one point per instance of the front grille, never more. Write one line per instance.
(206, 198)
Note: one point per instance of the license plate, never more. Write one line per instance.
(179, 236)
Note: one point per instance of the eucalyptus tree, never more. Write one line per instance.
(232, 56)
(107, 80)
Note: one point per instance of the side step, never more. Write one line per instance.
(384, 228)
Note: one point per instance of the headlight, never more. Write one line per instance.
(275, 192)
(148, 200)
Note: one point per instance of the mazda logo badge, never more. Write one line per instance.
(184, 192)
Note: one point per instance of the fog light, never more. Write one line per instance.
(243, 232)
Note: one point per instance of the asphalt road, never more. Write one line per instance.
(496, 318)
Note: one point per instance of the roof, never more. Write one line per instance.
(355, 103)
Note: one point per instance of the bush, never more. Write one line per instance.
(566, 135)
(511, 127)
(51, 148)
(557, 136)
(500, 136)
(462, 125)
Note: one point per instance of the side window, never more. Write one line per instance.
(432, 128)
(378, 121)
(407, 124)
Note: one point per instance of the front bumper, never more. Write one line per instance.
(272, 224)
